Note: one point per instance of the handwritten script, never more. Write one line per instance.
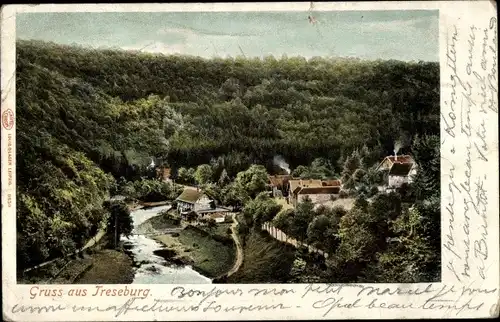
(327, 299)
(469, 109)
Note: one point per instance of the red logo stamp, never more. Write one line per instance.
(8, 119)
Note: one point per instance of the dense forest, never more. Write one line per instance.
(89, 119)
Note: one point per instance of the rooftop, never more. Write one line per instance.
(213, 211)
(190, 195)
(319, 190)
(400, 169)
(296, 185)
(331, 182)
(400, 159)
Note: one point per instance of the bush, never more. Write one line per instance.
(343, 194)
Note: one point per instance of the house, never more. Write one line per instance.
(318, 191)
(163, 174)
(191, 199)
(388, 161)
(194, 200)
(400, 169)
(400, 173)
(317, 194)
(279, 185)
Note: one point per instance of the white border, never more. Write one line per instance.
(461, 14)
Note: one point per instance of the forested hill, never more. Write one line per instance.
(85, 116)
(300, 109)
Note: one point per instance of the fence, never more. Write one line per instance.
(281, 236)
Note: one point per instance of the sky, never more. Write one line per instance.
(400, 34)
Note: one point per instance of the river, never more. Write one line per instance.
(153, 269)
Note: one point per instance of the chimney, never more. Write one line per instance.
(395, 155)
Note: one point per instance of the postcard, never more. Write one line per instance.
(250, 161)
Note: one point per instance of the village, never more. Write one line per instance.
(195, 205)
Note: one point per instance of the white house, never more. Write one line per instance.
(190, 200)
(400, 169)
(195, 200)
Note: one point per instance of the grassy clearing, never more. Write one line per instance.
(265, 260)
(211, 256)
(210, 251)
(108, 267)
(282, 202)
(222, 230)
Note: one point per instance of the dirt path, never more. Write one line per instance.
(239, 249)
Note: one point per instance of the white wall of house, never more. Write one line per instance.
(397, 181)
(411, 175)
(202, 203)
(184, 206)
(316, 198)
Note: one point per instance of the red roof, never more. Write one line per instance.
(319, 190)
(400, 159)
(331, 183)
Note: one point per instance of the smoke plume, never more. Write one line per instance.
(397, 146)
(280, 162)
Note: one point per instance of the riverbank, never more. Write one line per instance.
(97, 265)
(107, 266)
(210, 252)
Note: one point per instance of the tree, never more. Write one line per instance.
(185, 175)
(234, 195)
(351, 164)
(410, 257)
(120, 221)
(230, 89)
(357, 247)
(203, 174)
(214, 192)
(299, 171)
(301, 219)
(224, 179)
(317, 230)
(282, 221)
(426, 151)
(260, 210)
(254, 180)
(320, 169)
